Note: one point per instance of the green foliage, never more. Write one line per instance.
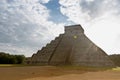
(115, 58)
(6, 58)
(20, 58)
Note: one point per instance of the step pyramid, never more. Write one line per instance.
(72, 48)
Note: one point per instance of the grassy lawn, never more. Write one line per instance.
(16, 65)
(11, 65)
(6, 65)
(116, 69)
(85, 68)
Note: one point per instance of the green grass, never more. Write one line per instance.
(6, 65)
(17, 65)
(85, 68)
(12, 65)
(116, 69)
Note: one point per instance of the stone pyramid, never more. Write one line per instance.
(72, 48)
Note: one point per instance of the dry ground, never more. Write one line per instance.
(56, 73)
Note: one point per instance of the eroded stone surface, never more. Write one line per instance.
(72, 48)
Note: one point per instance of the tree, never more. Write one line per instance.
(6, 58)
(115, 58)
(20, 58)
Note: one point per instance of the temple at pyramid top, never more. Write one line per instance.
(72, 48)
(74, 28)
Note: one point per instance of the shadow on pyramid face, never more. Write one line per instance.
(72, 48)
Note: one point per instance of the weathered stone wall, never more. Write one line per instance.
(72, 48)
(43, 56)
(76, 49)
(63, 53)
(86, 53)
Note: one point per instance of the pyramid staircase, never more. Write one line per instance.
(72, 48)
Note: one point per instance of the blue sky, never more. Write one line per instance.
(28, 25)
(54, 8)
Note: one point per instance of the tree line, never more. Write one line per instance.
(115, 58)
(6, 58)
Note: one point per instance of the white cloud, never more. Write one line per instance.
(44, 1)
(25, 26)
(73, 11)
(104, 32)
(89, 0)
(100, 19)
(82, 11)
(12, 48)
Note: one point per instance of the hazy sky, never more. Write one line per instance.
(27, 25)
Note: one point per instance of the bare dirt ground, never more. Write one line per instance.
(55, 73)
